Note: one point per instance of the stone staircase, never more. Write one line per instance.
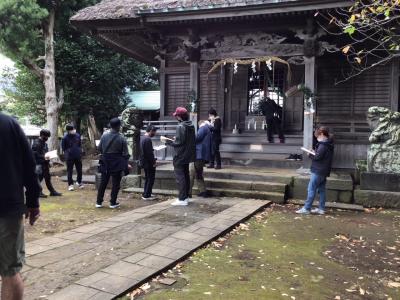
(235, 183)
(252, 149)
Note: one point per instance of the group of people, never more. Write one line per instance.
(190, 148)
(23, 166)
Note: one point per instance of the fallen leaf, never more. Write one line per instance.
(362, 291)
(393, 284)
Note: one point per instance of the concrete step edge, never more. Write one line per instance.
(233, 181)
(337, 205)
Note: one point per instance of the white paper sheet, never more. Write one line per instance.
(308, 151)
(160, 147)
(51, 154)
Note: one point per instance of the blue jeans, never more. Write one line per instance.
(317, 184)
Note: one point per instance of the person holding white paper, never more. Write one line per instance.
(320, 169)
(40, 149)
(148, 162)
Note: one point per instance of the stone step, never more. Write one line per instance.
(272, 196)
(261, 148)
(217, 192)
(248, 176)
(246, 185)
(276, 161)
(369, 198)
(336, 205)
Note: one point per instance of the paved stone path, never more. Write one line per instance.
(105, 259)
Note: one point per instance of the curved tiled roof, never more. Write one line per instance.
(119, 9)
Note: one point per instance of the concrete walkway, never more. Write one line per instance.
(108, 258)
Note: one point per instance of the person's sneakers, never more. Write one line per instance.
(298, 157)
(55, 194)
(317, 211)
(303, 211)
(80, 185)
(291, 157)
(71, 188)
(99, 205)
(149, 198)
(42, 195)
(178, 202)
(114, 205)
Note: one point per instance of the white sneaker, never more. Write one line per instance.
(116, 205)
(79, 185)
(99, 205)
(317, 211)
(149, 198)
(178, 202)
(71, 188)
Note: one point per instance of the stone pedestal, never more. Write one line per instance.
(380, 181)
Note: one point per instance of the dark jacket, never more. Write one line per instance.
(147, 158)
(270, 108)
(216, 130)
(184, 144)
(114, 150)
(40, 148)
(203, 143)
(322, 160)
(17, 167)
(71, 144)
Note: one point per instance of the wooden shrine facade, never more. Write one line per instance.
(184, 39)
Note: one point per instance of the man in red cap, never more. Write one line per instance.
(185, 153)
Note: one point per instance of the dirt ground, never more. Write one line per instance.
(281, 255)
(73, 209)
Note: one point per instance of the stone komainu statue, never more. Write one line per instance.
(132, 123)
(384, 151)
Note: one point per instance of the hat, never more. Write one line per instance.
(180, 111)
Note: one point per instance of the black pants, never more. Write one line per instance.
(116, 185)
(183, 180)
(70, 168)
(273, 126)
(215, 154)
(150, 173)
(47, 177)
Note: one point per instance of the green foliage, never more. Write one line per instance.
(20, 28)
(95, 79)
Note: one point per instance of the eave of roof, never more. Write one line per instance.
(104, 12)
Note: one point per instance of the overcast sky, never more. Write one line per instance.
(5, 62)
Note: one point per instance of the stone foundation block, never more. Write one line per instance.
(383, 199)
(380, 182)
(131, 181)
(345, 197)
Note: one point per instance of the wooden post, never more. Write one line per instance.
(395, 85)
(194, 86)
(162, 89)
(308, 116)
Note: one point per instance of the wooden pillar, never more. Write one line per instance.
(194, 86)
(395, 85)
(162, 89)
(309, 116)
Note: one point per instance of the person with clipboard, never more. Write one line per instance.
(321, 167)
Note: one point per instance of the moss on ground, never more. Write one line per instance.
(283, 256)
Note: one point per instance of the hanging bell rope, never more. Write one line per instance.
(251, 61)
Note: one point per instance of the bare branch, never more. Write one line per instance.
(40, 58)
(33, 67)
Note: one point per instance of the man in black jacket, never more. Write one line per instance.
(40, 149)
(185, 153)
(114, 162)
(272, 113)
(71, 144)
(320, 169)
(148, 162)
(216, 140)
(17, 167)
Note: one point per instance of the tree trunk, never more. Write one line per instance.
(94, 133)
(52, 102)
